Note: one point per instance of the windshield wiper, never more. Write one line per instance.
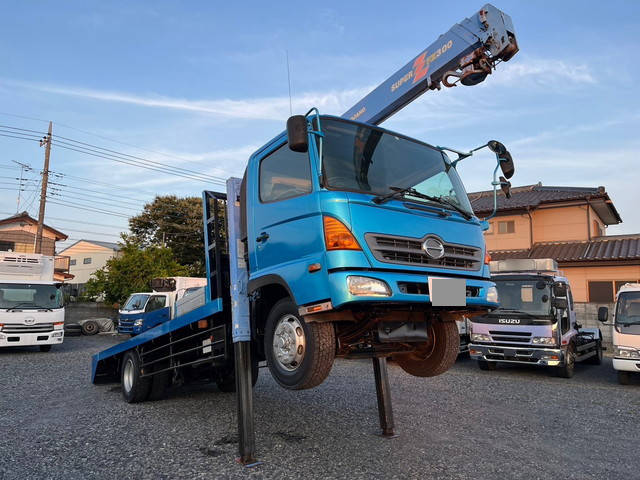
(31, 306)
(400, 192)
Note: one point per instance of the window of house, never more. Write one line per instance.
(72, 262)
(284, 174)
(508, 226)
(7, 246)
(87, 260)
(601, 292)
(490, 229)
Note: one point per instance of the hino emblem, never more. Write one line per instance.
(509, 320)
(29, 321)
(433, 248)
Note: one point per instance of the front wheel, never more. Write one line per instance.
(299, 354)
(436, 355)
(567, 370)
(624, 378)
(597, 358)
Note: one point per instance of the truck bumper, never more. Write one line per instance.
(549, 357)
(405, 288)
(30, 339)
(626, 365)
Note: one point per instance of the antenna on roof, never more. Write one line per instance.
(289, 82)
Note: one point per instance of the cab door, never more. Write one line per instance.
(285, 227)
(156, 311)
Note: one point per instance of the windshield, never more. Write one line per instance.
(136, 302)
(628, 308)
(364, 159)
(27, 296)
(528, 296)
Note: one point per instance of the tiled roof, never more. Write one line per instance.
(532, 196)
(25, 217)
(612, 248)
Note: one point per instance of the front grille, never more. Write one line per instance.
(408, 251)
(125, 326)
(420, 288)
(20, 328)
(510, 336)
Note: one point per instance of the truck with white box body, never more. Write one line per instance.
(170, 297)
(626, 331)
(31, 302)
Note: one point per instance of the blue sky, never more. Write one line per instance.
(200, 85)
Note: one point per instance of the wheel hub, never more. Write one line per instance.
(128, 376)
(289, 343)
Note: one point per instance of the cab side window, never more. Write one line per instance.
(284, 174)
(156, 302)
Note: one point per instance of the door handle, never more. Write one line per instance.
(264, 236)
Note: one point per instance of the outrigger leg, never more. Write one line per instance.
(383, 392)
(244, 399)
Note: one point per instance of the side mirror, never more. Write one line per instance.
(560, 303)
(297, 133)
(505, 186)
(560, 290)
(506, 161)
(603, 314)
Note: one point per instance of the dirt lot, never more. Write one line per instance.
(511, 423)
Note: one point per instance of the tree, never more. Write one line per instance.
(132, 270)
(175, 223)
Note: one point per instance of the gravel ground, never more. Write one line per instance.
(511, 423)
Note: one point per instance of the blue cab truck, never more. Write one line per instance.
(342, 239)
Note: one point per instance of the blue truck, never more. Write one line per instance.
(342, 239)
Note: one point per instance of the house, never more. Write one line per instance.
(86, 257)
(18, 234)
(568, 224)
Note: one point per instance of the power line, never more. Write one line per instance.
(105, 212)
(185, 170)
(109, 195)
(110, 185)
(115, 159)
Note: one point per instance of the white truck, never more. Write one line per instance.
(170, 297)
(31, 302)
(626, 331)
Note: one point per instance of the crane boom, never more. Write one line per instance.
(465, 54)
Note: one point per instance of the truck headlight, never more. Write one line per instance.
(626, 352)
(480, 337)
(137, 323)
(492, 295)
(57, 334)
(368, 287)
(543, 340)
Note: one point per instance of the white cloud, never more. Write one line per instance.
(547, 71)
(265, 108)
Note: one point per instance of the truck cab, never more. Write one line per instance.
(31, 302)
(364, 240)
(535, 323)
(626, 332)
(168, 299)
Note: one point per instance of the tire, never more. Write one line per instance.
(435, 356)
(597, 358)
(567, 370)
(90, 327)
(485, 365)
(304, 353)
(135, 389)
(159, 385)
(72, 330)
(624, 378)
(45, 348)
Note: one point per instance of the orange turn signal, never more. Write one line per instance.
(337, 236)
(487, 258)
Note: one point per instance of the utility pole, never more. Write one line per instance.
(46, 142)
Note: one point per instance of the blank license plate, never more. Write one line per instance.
(448, 292)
